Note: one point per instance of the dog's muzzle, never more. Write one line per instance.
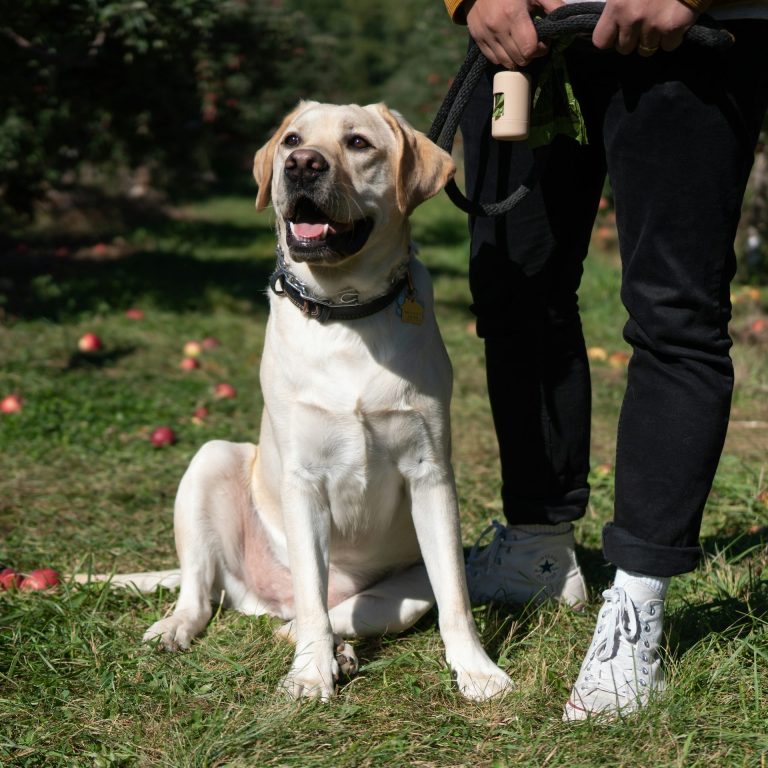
(311, 233)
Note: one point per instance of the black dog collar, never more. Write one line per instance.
(284, 283)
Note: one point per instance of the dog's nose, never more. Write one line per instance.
(305, 165)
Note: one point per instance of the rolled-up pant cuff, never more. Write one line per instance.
(632, 554)
(565, 509)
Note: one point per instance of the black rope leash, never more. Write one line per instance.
(572, 19)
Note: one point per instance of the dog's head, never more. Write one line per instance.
(340, 176)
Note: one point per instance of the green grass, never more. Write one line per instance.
(81, 487)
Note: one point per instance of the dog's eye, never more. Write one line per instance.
(292, 140)
(358, 142)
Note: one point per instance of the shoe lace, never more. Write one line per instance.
(492, 548)
(618, 619)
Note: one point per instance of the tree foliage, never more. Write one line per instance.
(189, 88)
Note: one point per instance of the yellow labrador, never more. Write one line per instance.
(343, 520)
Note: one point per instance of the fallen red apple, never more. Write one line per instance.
(759, 325)
(618, 359)
(134, 313)
(89, 342)
(42, 578)
(11, 404)
(162, 436)
(199, 415)
(209, 342)
(224, 390)
(193, 349)
(189, 364)
(9, 579)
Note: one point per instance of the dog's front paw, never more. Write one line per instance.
(482, 683)
(312, 676)
(176, 632)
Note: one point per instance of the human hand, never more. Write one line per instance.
(643, 25)
(504, 31)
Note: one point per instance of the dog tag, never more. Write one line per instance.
(411, 311)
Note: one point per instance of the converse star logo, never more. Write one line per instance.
(547, 568)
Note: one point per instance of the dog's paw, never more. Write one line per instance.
(346, 657)
(481, 684)
(172, 634)
(311, 677)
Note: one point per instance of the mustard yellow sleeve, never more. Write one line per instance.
(455, 10)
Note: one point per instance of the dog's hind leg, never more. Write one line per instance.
(210, 504)
(389, 606)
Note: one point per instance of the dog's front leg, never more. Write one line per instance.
(436, 519)
(307, 519)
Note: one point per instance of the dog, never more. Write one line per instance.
(343, 521)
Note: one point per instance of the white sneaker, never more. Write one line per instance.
(516, 567)
(622, 665)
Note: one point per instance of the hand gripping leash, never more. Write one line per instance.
(572, 19)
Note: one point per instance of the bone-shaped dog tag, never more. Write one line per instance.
(412, 312)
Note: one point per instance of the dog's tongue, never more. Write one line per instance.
(307, 231)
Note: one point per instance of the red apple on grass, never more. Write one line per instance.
(189, 364)
(225, 391)
(200, 415)
(11, 404)
(89, 342)
(209, 342)
(162, 436)
(9, 579)
(42, 578)
(134, 313)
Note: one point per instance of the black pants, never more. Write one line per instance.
(676, 134)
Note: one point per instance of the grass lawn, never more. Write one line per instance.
(82, 487)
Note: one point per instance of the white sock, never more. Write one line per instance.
(658, 584)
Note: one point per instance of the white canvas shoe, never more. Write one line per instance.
(622, 666)
(516, 567)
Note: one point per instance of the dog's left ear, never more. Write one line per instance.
(263, 160)
(422, 169)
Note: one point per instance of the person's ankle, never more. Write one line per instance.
(637, 584)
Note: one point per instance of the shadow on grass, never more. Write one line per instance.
(729, 615)
(100, 359)
(109, 253)
(170, 280)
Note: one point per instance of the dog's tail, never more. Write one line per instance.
(148, 581)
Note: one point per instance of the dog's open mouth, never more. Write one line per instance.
(312, 235)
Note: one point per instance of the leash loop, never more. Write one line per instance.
(574, 18)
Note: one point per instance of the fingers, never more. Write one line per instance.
(504, 31)
(642, 26)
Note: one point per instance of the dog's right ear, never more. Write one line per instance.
(263, 160)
